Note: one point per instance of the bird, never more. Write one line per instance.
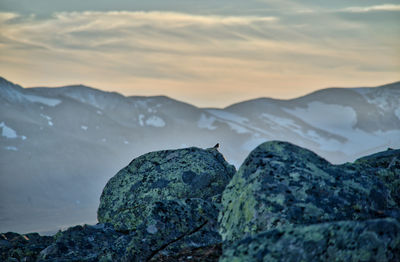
(216, 146)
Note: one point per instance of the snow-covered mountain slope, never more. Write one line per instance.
(59, 146)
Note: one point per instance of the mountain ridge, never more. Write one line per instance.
(72, 140)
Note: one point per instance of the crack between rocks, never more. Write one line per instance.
(155, 252)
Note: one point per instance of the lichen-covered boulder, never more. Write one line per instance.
(385, 165)
(282, 184)
(16, 247)
(167, 201)
(172, 226)
(370, 240)
(86, 243)
(128, 197)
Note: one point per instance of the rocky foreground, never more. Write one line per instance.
(285, 203)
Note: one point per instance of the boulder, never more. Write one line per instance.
(370, 240)
(127, 198)
(280, 184)
(167, 201)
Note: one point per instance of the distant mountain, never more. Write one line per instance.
(59, 146)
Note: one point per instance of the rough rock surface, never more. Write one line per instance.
(282, 184)
(370, 240)
(127, 199)
(86, 243)
(174, 225)
(167, 201)
(284, 204)
(385, 165)
(16, 247)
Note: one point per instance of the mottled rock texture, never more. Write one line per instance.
(370, 240)
(16, 247)
(128, 198)
(86, 243)
(167, 201)
(288, 204)
(282, 184)
(284, 204)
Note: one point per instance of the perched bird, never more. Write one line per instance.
(216, 146)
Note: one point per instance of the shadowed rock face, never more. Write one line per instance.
(288, 204)
(16, 247)
(86, 243)
(370, 240)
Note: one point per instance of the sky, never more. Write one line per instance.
(208, 53)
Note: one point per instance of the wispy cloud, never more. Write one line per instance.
(364, 9)
(188, 56)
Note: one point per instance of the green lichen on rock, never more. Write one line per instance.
(370, 240)
(386, 166)
(164, 175)
(167, 201)
(174, 225)
(281, 184)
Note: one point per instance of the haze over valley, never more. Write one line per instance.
(59, 146)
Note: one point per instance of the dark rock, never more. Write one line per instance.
(282, 184)
(174, 225)
(197, 254)
(16, 247)
(86, 243)
(370, 240)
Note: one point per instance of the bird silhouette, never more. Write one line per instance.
(216, 146)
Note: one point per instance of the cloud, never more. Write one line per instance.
(189, 56)
(364, 9)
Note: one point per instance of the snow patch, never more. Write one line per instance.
(238, 128)
(42, 100)
(155, 121)
(206, 122)
(11, 148)
(126, 142)
(7, 131)
(99, 112)
(84, 128)
(332, 118)
(228, 116)
(235, 122)
(141, 117)
(280, 121)
(49, 122)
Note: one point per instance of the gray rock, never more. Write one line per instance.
(281, 184)
(127, 198)
(167, 201)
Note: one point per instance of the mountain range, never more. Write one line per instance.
(59, 146)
